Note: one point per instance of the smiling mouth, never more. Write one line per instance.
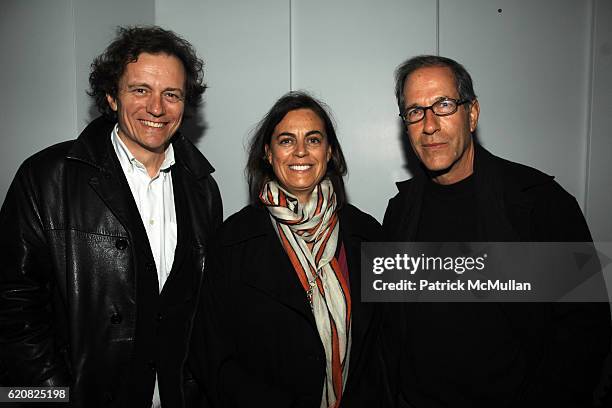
(300, 167)
(152, 124)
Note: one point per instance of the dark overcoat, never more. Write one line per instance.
(79, 298)
(256, 333)
(509, 354)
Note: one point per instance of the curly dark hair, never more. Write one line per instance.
(258, 169)
(130, 42)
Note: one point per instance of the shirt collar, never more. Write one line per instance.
(127, 159)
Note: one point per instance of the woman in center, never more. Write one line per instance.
(281, 323)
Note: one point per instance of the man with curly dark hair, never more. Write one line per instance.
(104, 237)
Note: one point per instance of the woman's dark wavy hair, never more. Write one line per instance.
(258, 169)
(463, 80)
(107, 68)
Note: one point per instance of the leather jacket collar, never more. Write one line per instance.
(92, 147)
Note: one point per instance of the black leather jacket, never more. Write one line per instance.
(79, 298)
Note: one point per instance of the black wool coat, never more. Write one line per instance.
(255, 336)
(503, 355)
(79, 297)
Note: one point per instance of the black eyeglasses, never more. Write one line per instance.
(443, 107)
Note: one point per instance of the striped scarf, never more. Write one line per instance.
(309, 235)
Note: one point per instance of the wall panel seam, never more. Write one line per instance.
(75, 88)
(437, 27)
(589, 107)
(290, 45)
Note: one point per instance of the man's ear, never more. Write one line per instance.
(474, 114)
(112, 102)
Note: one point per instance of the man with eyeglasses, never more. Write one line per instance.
(103, 237)
(482, 354)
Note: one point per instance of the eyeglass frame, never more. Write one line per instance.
(458, 103)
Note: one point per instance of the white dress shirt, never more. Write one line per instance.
(154, 198)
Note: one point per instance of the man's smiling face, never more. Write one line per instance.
(150, 103)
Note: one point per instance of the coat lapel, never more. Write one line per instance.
(402, 223)
(182, 281)
(188, 265)
(108, 181)
(275, 276)
(362, 312)
(111, 186)
(497, 200)
(280, 281)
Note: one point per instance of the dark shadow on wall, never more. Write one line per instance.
(411, 161)
(92, 112)
(194, 125)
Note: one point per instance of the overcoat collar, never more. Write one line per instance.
(502, 196)
(275, 277)
(94, 148)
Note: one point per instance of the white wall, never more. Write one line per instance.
(95, 23)
(47, 47)
(345, 53)
(245, 45)
(531, 68)
(531, 64)
(37, 107)
(599, 204)
(542, 70)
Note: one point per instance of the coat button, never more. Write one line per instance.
(150, 266)
(158, 318)
(116, 318)
(121, 244)
(151, 365)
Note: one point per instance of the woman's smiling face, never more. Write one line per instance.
(299, 152)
